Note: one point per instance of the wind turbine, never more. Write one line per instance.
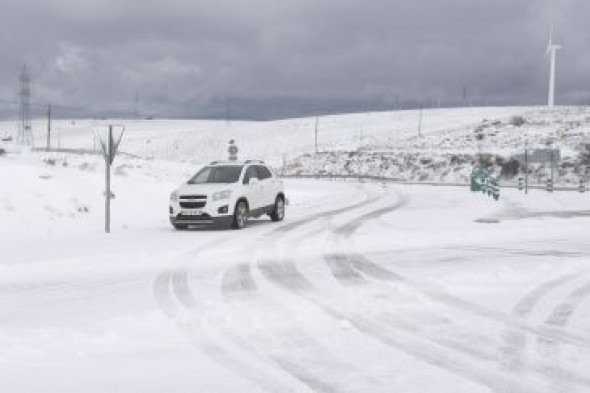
(552, 51)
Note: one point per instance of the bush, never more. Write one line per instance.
(517, 121)
(485, 160)
(509, 169)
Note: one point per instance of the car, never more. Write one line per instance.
(228, 194)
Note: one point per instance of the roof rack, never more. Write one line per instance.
(250, 161)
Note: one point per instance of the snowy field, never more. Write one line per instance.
(202, 141)
(363, 288)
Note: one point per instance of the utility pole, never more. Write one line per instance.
(526, 168)
(317, 119)
(136, 105)
(420, 122)
(465, 96)
(48, 127)
(25, 133)
(552, 165)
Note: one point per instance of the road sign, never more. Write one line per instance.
(549, 185)
(539, 156)
(110, 143)
(109, 146)
(232, 149)
(482, 181)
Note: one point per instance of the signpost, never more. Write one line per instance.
(232, 150)
(482, 181)
(538, 156)
(109, 146)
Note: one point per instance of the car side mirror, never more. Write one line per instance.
(254, 181)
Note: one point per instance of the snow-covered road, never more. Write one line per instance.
(364, 288)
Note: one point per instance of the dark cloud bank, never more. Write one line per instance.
(271, 59)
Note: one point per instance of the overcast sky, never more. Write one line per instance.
(274, 58)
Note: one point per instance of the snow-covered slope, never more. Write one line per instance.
(435, 145)
(449, 154)
(202, 141)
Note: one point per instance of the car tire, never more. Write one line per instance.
(279, 210)
(240, 215)
(180, 227)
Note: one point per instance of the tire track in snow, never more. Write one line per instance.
(239, 288)
(289, 342)
(172, 294)
(549, 348)
(326, 214)
(171, 287)
(380, 273)
(368, 268)
(285, 274)
(350, 270)
(361, 263)
(347, 230)
(515, 340)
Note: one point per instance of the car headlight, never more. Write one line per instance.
(174, 196)
(218, 196)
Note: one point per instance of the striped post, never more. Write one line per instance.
(549, 185)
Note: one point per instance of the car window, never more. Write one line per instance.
(251, 172)
(263, 172)
(217, 174)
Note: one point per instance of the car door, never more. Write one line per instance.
(266, 189)
(252, 189)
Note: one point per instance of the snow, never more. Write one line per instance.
(366, 287)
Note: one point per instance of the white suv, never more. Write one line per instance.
(228, 193)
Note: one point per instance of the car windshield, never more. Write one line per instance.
(217, 174)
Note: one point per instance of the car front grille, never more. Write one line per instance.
(193, 197)
(202, 218)
(193, 201)
(193, 205)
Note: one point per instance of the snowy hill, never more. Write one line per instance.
(450, 143)
(201, 141)
(449, 154)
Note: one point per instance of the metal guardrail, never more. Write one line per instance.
(385, 179)
(360, 178)
(81, 151)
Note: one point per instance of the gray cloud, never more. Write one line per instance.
(290, 57)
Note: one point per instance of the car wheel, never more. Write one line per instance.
(180, 227)
(240, 215)
(279, 211)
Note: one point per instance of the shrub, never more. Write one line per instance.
(517, 121)
(509, 169)
(485, 160)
